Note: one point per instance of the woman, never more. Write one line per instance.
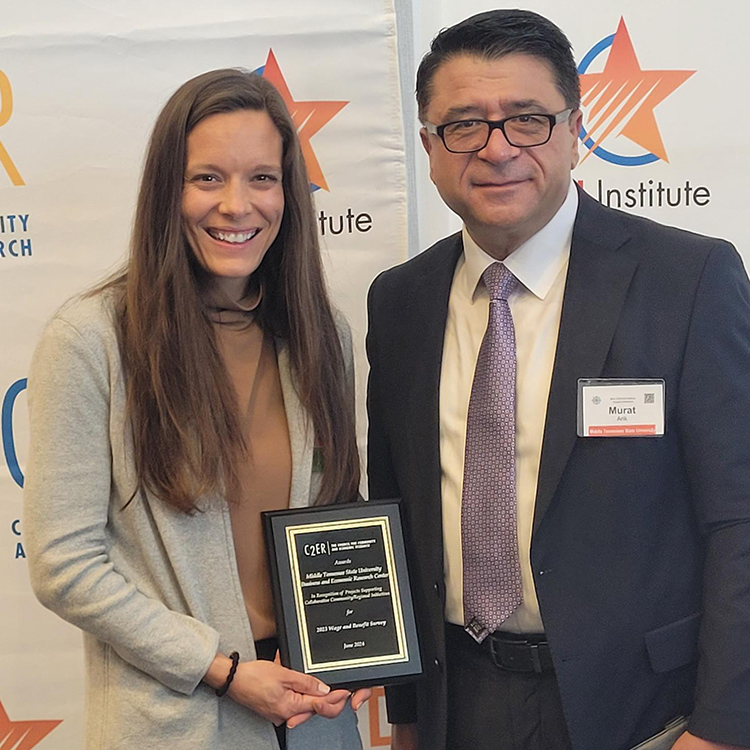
(172, 405)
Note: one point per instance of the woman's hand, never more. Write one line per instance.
(360, 696)
(275, 692)
(332, 705)
(280, 694)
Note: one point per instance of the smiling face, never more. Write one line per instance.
(233, 199)
(503, 194)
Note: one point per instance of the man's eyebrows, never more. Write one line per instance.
(525, 105)
(473, 110)
(456, 113)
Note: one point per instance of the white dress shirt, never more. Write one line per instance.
(541, 265)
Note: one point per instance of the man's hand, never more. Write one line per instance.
(404, 737)
(690, 742)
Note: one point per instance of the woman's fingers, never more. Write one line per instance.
(360, 696)
(298, 719)
(332, 705)
(304, 683)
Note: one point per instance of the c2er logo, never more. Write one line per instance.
(6, 426)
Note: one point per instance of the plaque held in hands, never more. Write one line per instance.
(341, 593)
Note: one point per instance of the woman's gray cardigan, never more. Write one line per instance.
(155, 591)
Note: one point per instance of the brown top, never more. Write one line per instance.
(265, 475)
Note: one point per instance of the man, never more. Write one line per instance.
(576, 586)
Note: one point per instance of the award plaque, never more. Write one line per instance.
(341, 593)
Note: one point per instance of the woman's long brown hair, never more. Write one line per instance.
(187, 439)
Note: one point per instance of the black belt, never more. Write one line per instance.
(514, 653)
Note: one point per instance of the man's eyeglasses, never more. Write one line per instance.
(521, 131)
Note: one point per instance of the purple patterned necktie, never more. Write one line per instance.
(491, 571)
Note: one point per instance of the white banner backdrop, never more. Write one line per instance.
(674, 147)
(80, 85)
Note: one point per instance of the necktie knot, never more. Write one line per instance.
(500, 282)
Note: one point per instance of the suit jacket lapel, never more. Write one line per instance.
(423, 360)
(599, 275)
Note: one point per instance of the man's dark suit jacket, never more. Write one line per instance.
(641, 546)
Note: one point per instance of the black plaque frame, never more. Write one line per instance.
(379, 521)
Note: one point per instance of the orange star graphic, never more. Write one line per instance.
(625, 94)
(309, 117)
(22, 735)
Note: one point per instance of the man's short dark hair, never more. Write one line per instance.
(493, 35)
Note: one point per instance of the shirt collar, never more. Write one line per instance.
(538, 261)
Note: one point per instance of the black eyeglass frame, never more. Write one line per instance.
(439, 130)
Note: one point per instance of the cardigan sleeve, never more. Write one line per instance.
(67, 503)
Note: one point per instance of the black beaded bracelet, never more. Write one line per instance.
(235, 657)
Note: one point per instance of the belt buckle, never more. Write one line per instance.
(535, 660)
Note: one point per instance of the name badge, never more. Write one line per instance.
(628, 407)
